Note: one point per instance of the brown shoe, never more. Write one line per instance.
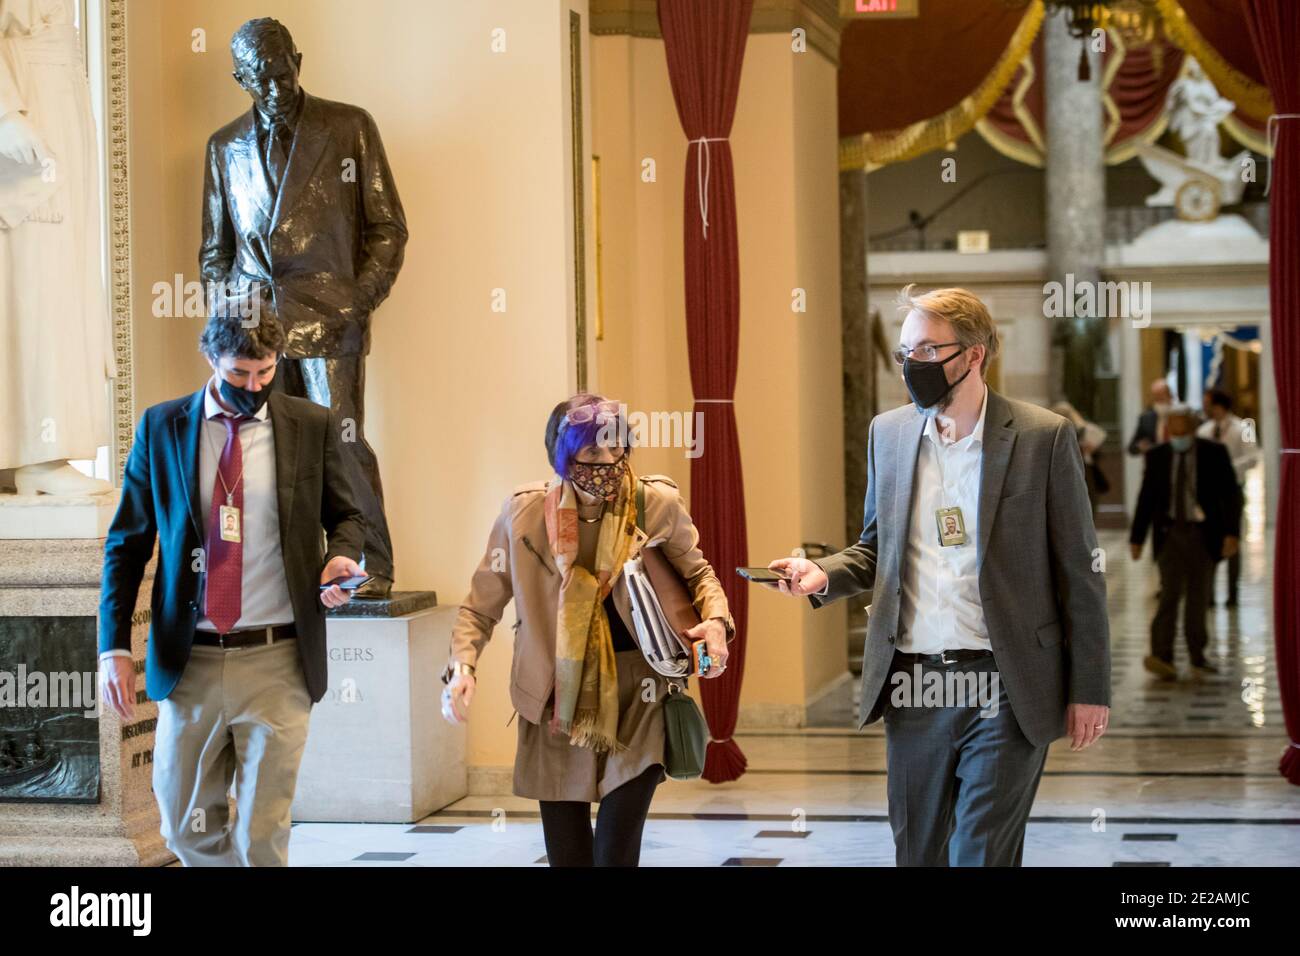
(378, 588)
(1161, 668)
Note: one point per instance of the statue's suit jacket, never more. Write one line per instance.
(328, 243)
(1041, 577)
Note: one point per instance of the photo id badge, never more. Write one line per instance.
(229, 518)
(952, 530)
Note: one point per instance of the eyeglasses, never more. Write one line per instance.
(922, 353)
(603, 411)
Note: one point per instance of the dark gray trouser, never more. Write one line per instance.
(1185, 569)
(340, 385)
(960, 785)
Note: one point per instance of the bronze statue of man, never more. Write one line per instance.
(300, 207)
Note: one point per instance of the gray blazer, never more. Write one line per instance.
(1044, 605)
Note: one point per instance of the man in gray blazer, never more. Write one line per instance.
(988, 636)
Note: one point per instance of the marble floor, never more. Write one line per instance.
(1185, 777)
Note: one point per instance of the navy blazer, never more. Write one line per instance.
(160, 500)
(1217, 492)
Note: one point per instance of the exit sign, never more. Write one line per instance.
(878, 9)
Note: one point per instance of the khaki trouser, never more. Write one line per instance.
(236, 715)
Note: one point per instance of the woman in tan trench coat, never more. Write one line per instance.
(591, 726)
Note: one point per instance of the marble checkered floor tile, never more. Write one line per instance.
(1186, 776)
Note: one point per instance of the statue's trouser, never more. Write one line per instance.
(340, 384)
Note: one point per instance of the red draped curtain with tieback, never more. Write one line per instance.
(704, 41)
(1275, 31)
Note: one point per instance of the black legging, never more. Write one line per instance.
(566, 825)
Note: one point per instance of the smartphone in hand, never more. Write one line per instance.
(761, 575)
(347, 583)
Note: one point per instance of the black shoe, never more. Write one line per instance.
(1232, 601)
(378, 588)
(1204, 667)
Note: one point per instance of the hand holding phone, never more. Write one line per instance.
(346, 582)
(761, 575)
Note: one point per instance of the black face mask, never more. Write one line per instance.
(926, 381)
(241, 399)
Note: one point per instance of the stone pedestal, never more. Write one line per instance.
(41, 517)
(89, 801)
(378, 749)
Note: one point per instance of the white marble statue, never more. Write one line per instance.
(1195, 111)
(1200, 182)
(55, 342)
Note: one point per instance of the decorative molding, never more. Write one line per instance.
(489, 781)
(770, 717)
(600, 249)
(578, 160)
(119, 230)
(820, 19)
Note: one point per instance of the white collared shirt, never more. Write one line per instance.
(1232, 434)
(940, 607)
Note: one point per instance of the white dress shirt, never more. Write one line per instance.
(264, 592)
(940, 607)
(1232, 435)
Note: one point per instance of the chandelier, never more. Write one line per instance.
(1133, 19)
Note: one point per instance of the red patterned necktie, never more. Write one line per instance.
(226, 558)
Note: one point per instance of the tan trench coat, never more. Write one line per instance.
(518, 564)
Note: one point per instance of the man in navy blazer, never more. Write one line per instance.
(235, 483)
(1191, 503)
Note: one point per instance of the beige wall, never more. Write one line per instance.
(788, 392)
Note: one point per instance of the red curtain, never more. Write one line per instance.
(704, 41)
(1275, 31)
(1139, 89)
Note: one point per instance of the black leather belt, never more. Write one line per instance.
(251, 637)
(945, 657)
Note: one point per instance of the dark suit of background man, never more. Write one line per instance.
(1019, 595)
(1191, 502)
(298, 198)
(236, 489)
(1150, 430)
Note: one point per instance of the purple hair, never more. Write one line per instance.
(564, 439)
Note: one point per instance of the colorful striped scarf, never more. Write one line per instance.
(586, 677)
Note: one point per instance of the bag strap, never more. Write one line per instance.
(640, 504)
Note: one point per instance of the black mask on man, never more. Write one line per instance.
(241, 399)
(926, 381)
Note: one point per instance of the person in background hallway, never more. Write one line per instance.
(1091, 437)
(1223, 426)
(249, 495)
(1014, 595)
(1191, 502)
(1151, 429)
(579, 681)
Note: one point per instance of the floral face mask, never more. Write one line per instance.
(601, 480)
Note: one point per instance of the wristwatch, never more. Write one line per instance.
(456, 667)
